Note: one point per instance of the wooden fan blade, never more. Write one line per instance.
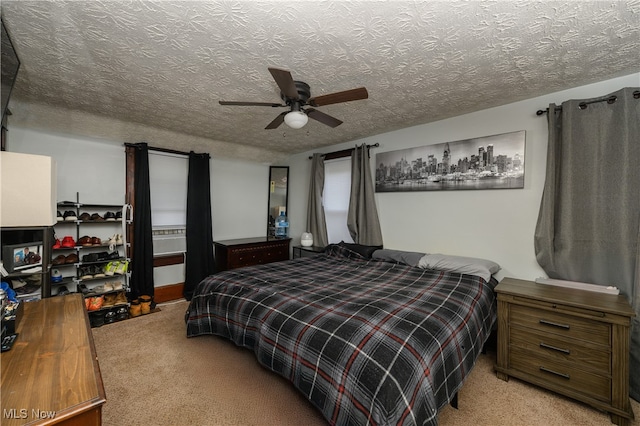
(285, 82)
(338, 97)
(240, 103)
(277, 122)
(322, 117)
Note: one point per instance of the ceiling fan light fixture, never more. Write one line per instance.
(296, 119)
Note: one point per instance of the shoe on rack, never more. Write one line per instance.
(96, 217)
(96, 303)
(62, 291)
(57, 244)
(85, 273)
(59, 260)
(68, 242)
(110, 317)
(119, 215)
(69, 216)
(112, 242)
(119, 239)
(87, 302)
(122, 267)
(85, 241)
(97, 271)
(71, 258)
(96, 319)
(122, 313)
(91, 257)
(83, 289)
(117, 285)
(85, 216)
(109, 300)
(110, 268)
(59, 216)
(110, 216)
(95, 241)
(121, 298)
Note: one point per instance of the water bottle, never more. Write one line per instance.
(282, 226)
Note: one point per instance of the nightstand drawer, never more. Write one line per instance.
(567, 351)
(561, 374)
(563, 325)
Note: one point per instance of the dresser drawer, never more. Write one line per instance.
(565, 351)
(561, 374)
(560, 324)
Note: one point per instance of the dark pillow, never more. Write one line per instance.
(364, 251)
(410, 258)
(350, 251)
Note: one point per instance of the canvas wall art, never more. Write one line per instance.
(488, 162)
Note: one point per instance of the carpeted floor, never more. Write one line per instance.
(154, 375)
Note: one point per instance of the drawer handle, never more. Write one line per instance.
(554, 324)
(554, 348)
(546, 370)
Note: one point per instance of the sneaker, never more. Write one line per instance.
(85, 241)
(57, 244)
(110, 216)
(110, 317)
(122, 313)
(85, 216)
(110, 268)
(122, 267)
(62, 291)
(68, 242)
(121, 298)
(59, 216)
(97, 271)
(96, 319)
(109, 300)
(96, 303)
(96, 217)
(70, 216)
(85, 273)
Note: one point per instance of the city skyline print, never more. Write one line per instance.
(488, 162)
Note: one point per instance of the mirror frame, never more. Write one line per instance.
(272, 188)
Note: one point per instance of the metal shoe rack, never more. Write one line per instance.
(77, 265)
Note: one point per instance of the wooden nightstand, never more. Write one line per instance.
(302, 251)
(574, 342)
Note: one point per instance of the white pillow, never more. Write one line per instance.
(465, 265)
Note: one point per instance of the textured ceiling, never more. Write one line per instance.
(155, 71)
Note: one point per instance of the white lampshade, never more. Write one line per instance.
(28, 184)
(296, 119)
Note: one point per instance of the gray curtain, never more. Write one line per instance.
(362, 217)
(589, 222)
(316, 223)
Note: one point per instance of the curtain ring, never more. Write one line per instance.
(636, 94)
(611, 99)
(582, 105)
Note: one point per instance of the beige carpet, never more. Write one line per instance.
(154, 375)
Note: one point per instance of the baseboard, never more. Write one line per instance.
(169, 292)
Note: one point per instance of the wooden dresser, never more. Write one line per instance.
(231, 254)
(51, 375)
(574, 342)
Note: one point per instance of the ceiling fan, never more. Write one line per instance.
(296, 95)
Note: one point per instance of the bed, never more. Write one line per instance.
(375, 337)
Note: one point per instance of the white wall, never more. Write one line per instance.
(96, 169)
(493, 224)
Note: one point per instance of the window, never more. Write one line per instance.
(168, 174)
(335, 198)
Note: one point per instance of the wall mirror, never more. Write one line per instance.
(278, 192)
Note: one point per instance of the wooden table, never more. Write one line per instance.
(51, 375)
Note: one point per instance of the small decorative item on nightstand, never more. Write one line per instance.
(306, 240)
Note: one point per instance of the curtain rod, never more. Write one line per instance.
(583, 105)
(344, 151)
(166, 150)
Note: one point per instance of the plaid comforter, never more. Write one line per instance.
(366, 341)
